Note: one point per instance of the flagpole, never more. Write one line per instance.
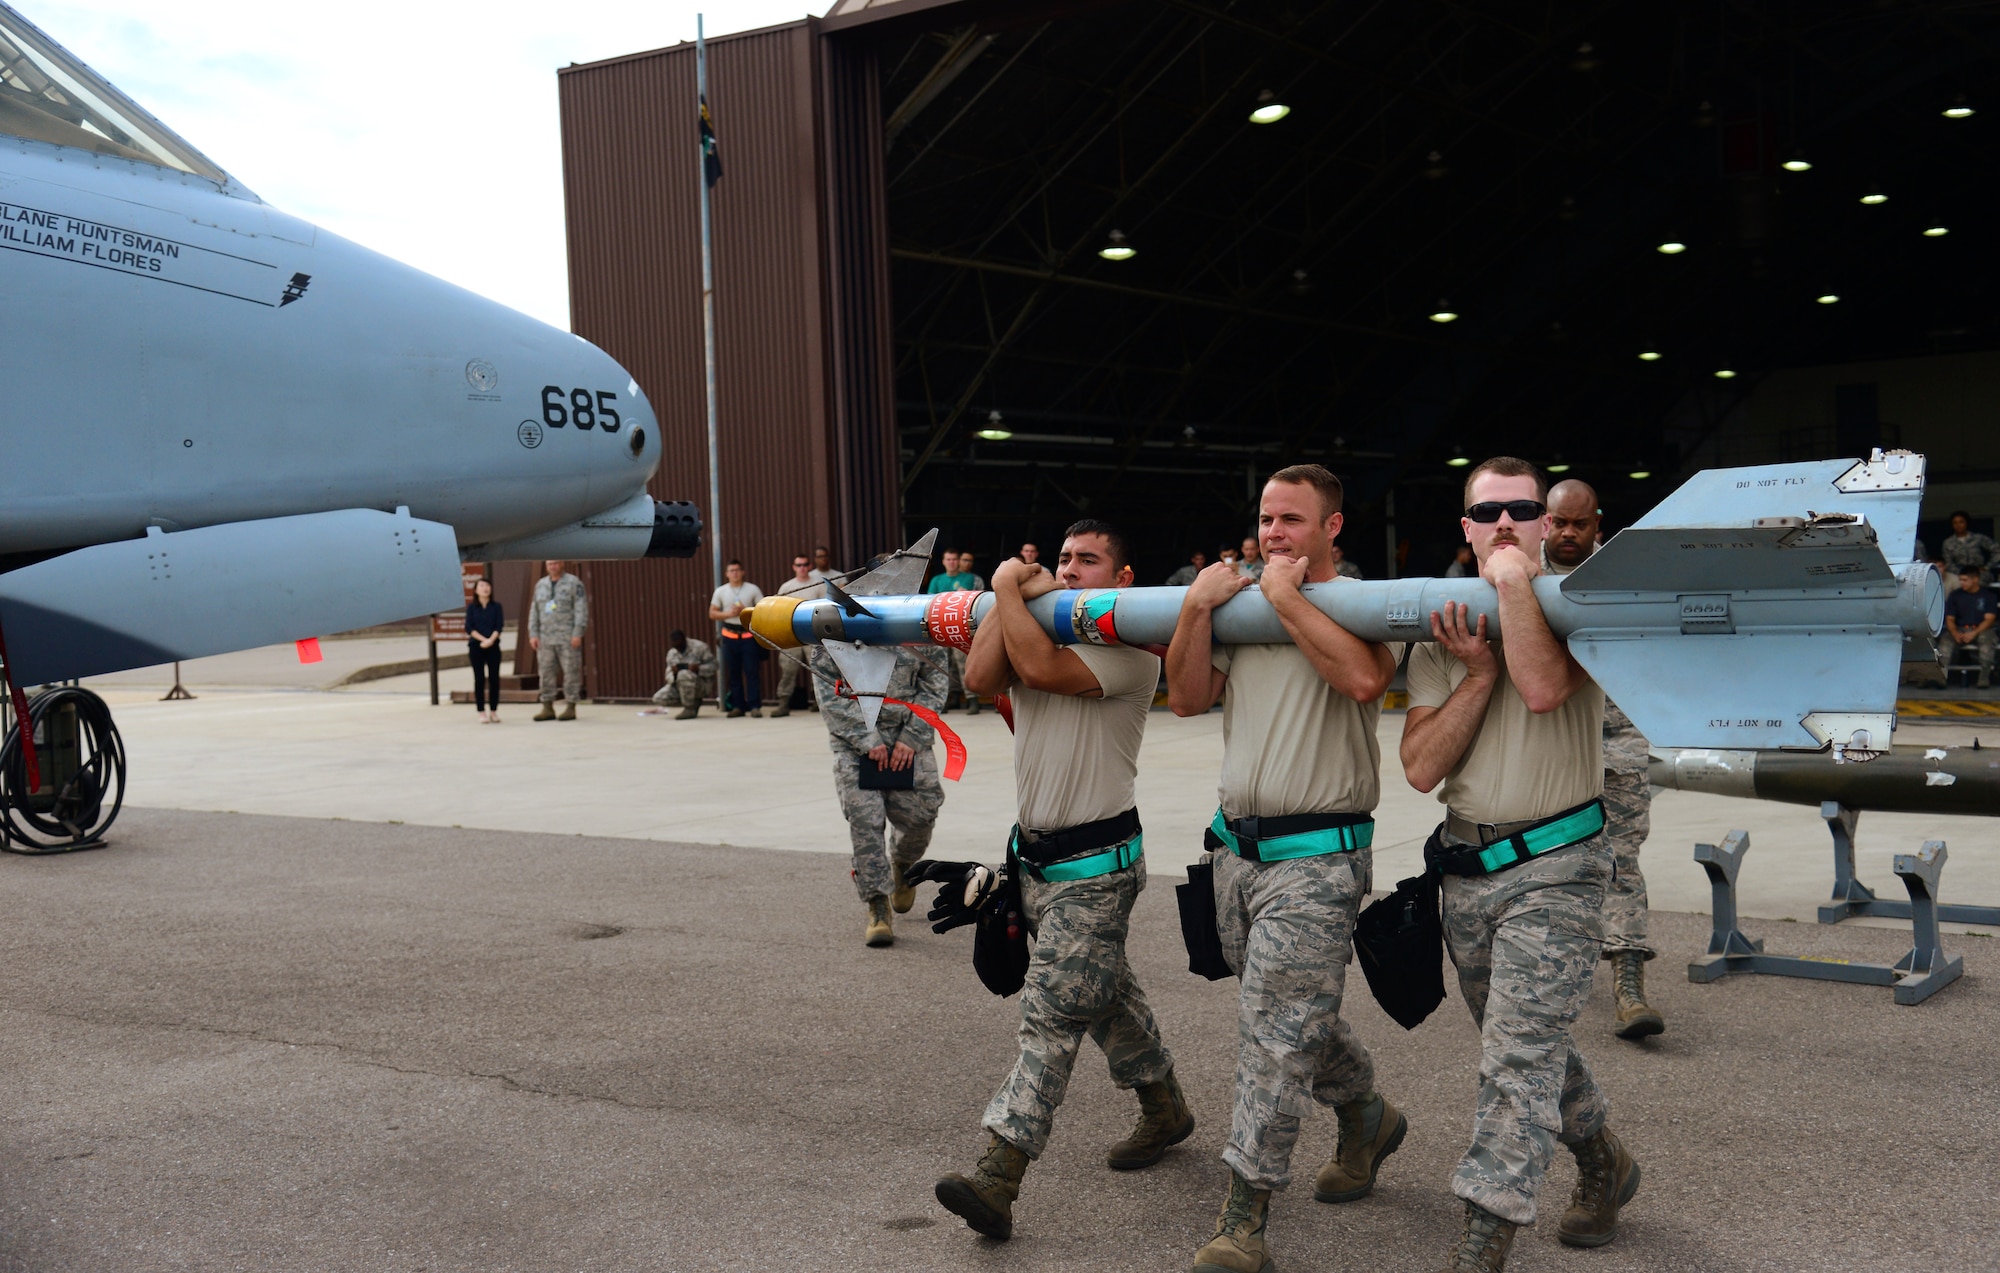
(708, 315)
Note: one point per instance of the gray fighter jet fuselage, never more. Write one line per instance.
(210, 403)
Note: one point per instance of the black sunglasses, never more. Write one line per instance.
(1521, 510)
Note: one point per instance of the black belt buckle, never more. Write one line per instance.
(1245, 831)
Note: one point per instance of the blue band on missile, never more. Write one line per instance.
(1066, 616)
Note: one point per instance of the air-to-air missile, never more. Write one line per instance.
(1902, 779)
(1763, 607)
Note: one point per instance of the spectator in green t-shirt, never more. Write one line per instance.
(957, 579)
(954, 579)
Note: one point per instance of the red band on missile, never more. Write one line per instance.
(954, 746)
(948, 619)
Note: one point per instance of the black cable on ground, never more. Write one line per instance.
(84, 804)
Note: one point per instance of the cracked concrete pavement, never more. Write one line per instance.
(265, 1043)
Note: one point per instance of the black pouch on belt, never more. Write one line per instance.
(1204, 944)
(1400, 943)
(1000, 940)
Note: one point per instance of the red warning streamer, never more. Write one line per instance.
(24, 725)
(954, 746)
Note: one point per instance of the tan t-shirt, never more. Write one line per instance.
(1291, 743)
(1075, 758)
(1520, 765)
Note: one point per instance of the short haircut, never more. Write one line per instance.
(732, 562)
(676, 637)
(1506, 466)
(1321, 479)
(1973, 571)
(1114, 539)
(1958, 513)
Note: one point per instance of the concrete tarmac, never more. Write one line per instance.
(241, 1042)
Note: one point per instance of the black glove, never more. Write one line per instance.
(964, 888)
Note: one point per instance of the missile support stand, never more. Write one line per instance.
(1921, 973)
(1851, 897)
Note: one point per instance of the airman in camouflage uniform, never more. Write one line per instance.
(1628, 798)
(1291, 841)
(690, 675)
(556, 621)
(1079, 719)
(1511, 734)
(920, 677)
(1963, 549)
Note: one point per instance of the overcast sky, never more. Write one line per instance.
(423, 129)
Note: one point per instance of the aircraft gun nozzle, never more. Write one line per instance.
(676, 529)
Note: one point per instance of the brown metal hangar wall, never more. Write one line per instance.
(631, 191)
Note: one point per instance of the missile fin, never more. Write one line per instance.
(866, 669)
(1885, 488)
(900, 574)
(1762, 690)
(1781, 553)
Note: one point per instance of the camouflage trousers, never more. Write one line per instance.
(1287, 928)
(791, 666)
(1525, 942)
(557, 652)
(870, 815)
(1079, 982)
(1983, 646)
(685, 690)
(1628, 817)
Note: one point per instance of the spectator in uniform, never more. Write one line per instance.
(792, 663)
(484, 624)
(1342, 566)
(1185, 575)
(1031, 554)
(1962, 548)
(556, 621)
(742, 657)
(823, 565)
(1249, 562)
(1462, 566)
(690, 675)
(965, 568)
(957, 577)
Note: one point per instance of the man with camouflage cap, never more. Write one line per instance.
(1290, 849)
(1079, 717)
(1511, 733)
(899, 743)
(1628, 796)
(556, 621)
(690, 675)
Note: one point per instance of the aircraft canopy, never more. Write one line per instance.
(47, 95)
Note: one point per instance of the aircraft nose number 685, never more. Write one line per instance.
(583, 410)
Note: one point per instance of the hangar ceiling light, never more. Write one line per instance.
(1958, 108)
(1874, 196)
(1458, 458)
(1671, 248)
(1269, 109)
(995, 431)
(1444, 313)
(1797, 163)
(1936, 229)
(1725, 372)
(1640, 474)
(1649, 355)
(1117, 249)
(1828, 298)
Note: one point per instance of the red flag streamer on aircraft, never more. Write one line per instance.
(27, 728)
(1005, 706)
(954, 746)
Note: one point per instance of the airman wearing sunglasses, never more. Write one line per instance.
(1512, 730)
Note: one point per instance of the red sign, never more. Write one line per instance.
(949, 619)
(449, 625)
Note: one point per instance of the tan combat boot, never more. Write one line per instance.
(548, 712)
(1238, 1245)
(1636, 1018)
(985, 1199)
(689, 712)
(1483, 1247)
(1606, 1179)
(903, 896)
(569, 710)
(1370, 1130)
(879, 932)
(783, 709)
(1164, 1120)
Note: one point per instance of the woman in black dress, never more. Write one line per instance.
(484, 623)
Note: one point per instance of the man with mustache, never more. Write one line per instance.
(1512, 730)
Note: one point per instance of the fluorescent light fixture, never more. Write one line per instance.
(1117, 249)
(1458, 458)
(1828, 298)
(1649, 355)
(1874, 196)
(1640, 475)
(1671, 248)
(1958, 108)
(1797, 163)
(1444, 314)
(1724, 373)
(1935, 231)
(1558, 468)
(1269, 109)
(996, 435)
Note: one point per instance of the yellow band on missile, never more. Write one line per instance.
(771, 622)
